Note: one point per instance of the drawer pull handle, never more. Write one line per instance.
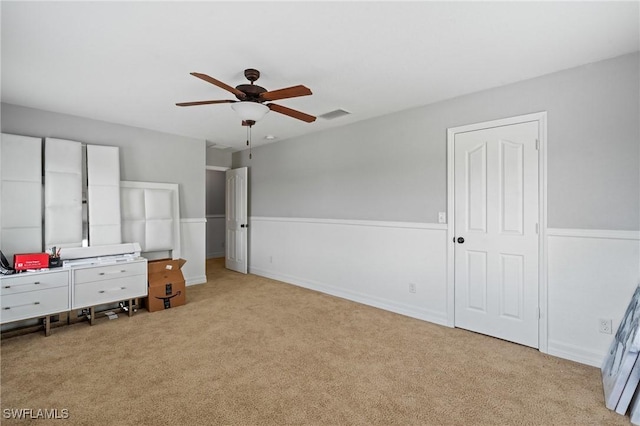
(122, 271)
(113, 289)
(25, 284)
(20, 306)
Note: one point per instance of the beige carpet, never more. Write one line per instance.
(248, 350)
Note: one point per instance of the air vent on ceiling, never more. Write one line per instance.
(334, 114)
(216, 145)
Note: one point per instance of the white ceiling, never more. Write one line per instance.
(129, 62)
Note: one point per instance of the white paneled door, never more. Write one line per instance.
(496, 232)
(236, 220)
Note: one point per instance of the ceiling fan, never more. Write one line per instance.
(251, 97)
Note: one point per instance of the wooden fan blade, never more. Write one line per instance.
(220, 84)
(289, 92)
(204, 102)
(292, 113)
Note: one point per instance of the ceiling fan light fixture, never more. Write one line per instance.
(250, 111)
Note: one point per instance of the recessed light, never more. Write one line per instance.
(270, 137)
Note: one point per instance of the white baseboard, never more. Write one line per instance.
(575, 353)
(409, 311)
(195, 280)
(215, 254)
(193, 247)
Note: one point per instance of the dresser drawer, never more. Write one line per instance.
(24, 282)
(107, 291)
(109, 272)
(34, 304)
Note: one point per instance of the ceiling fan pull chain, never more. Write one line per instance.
(249, 142)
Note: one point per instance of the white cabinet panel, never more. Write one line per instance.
(100, 292)
(25, 282)
(109, 272)
(99, 284)
(34, 294)
(34, 304)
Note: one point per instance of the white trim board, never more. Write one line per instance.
(376, 223)
(217, 168)
(594, 233)
(541, 118)
(193, 220)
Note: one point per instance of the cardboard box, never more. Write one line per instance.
(166, 284)
(22, 261)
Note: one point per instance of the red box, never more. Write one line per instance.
(24, 261)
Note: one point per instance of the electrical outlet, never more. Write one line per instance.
(412, 288)
(442, 217)
(604, 325)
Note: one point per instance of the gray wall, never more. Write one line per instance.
(145, 155)
(218, 157)
(215, 192)
(393, 168)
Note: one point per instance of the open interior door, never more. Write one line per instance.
(236, 220)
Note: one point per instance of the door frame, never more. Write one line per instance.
(208, 168)
(541, 118)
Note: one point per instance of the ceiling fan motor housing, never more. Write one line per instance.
(252, 92)
(252, 74)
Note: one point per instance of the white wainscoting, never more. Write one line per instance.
(192, 235)
(365, 261)
(215, 235)
(591, 274)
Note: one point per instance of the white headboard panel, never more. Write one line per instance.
(151, 216)
(103, 194)
(62, 193)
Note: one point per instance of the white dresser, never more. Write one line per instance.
(34, 295)
(41, 294)
(100, 284)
